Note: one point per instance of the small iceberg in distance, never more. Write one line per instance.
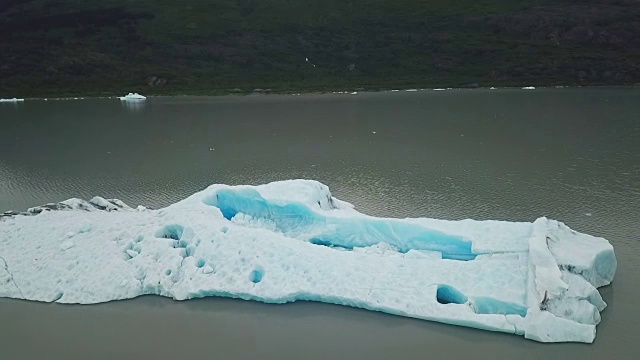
(132, 97)
(292, 240)
(14, 100)
(529, 88)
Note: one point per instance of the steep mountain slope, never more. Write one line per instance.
(220, 46)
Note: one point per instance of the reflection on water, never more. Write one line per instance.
(11, 104)
(133, 105)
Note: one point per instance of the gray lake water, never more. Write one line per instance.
(569, 154)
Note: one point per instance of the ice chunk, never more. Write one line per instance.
(546, 274)
(79, 204)
(544, 326)
(582, 254)
(108, 205)
(291, 240)
(133, 97)
(581, 289)
(12, 100)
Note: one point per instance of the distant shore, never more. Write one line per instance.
(306, 91)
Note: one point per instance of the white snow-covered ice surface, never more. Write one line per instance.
(291, 240)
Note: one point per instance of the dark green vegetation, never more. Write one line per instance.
(63, 47)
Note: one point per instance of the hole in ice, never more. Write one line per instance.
(449, 295)
(200, 263)
(172, 231)
(321, 242)
(295, 219)
(256, 275)
(167, 272)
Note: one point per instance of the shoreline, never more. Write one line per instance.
(266, 92)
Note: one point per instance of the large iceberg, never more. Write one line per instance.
(292, 240)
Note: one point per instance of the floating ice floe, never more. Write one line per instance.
(13, 100)
(292, 240)
(132, 97)
(529, 88)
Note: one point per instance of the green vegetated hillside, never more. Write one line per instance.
(63, 47)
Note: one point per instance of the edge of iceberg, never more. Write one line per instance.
(292, 240)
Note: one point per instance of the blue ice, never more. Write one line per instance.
(295, 219)
(481, 304)
(488, 305)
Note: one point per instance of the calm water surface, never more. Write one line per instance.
(568, 154)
